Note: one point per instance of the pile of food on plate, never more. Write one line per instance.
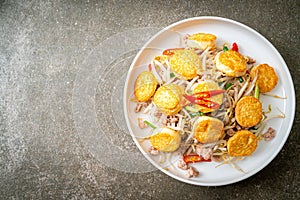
(202, 101)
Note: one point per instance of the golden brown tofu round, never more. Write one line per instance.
(168, 98)
(201, 41)
(231, 63)
(145, 86)
(208, 129)
(185, 63)
(242, 143)
(248, 111)
(166, 140)
(205, 86)
(267, 78)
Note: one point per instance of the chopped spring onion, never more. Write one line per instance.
(256, 91)
(240, 79)
(225, 48)
(149, 124)
(228, 85)
(196, 114)
(172, 75)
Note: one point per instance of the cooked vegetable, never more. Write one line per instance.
(172, 75)
(235, 47)
(240, 79)
(256, 91)
(150, 124)
(202, 102)
(225, 48)
(208, 94)
(193, 158)
(228, 85)
(196, 114)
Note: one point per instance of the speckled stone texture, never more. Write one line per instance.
(43, 51)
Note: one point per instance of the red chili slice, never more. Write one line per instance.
(202, 102)
(207, 103)
(208, 94)
(235, 47)
(192, 158)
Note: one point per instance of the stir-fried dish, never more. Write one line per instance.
(203, 102)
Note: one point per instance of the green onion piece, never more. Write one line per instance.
(240, 79)
(172, 75)
(228, 85)
(196, 114)
(225, 48)
(191, 109)
(256, 91)
(149, 124)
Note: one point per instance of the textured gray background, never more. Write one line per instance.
(43, 45)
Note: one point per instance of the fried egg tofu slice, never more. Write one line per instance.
(204, 86)
(231, 63)
(167, 98)
(185, 63)
(248, 111)
(145, 86)
(208, 129)
(166, 140)
(201, 41)
(267, 78)
(242, 143)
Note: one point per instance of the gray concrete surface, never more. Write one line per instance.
(46, 45)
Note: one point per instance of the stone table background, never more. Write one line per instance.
(44, 48)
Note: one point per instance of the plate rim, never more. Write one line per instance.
(267, 161)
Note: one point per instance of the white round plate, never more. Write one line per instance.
(250, 43)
